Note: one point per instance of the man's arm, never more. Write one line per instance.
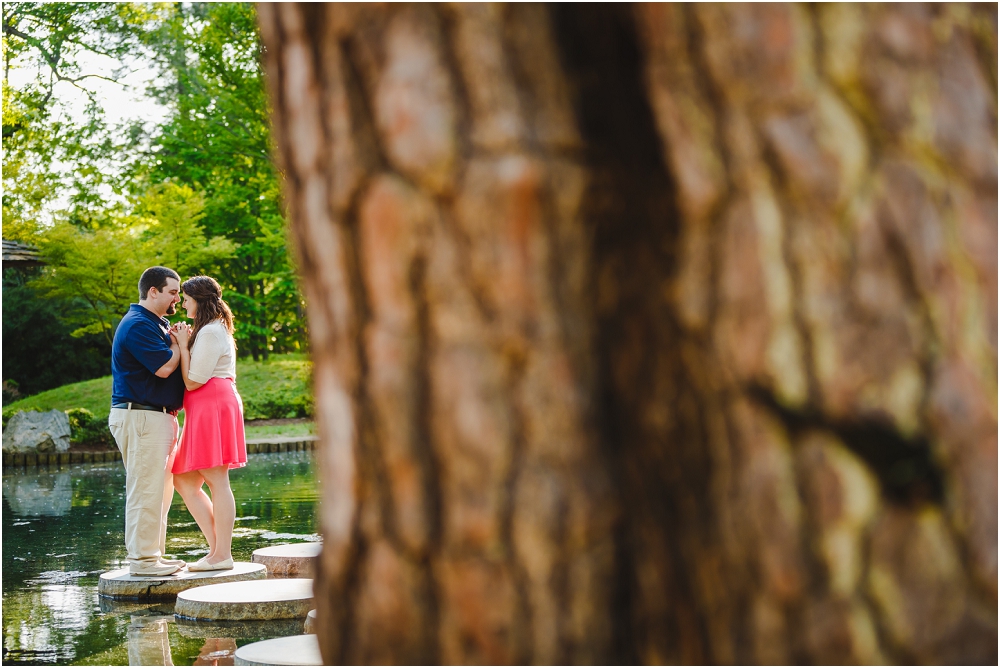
(171, 365)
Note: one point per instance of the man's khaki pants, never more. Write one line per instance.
(146, 440)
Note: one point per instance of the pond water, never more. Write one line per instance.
(63, 528)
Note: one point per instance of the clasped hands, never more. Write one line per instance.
(180, 332)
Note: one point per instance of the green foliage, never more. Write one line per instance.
(28, 179)
(94, 395)
(41, 138)
(39, 352)
(95, 272)
(11, 391)
(277, 404)
(54, 34)
(10, 412)
(278, 388)
(198, 193)
(169, 215)
(218, 141)
(302, 428)
(85, 427)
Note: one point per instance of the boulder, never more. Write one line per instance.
(30, 431)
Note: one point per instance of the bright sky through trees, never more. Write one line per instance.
(123, 101)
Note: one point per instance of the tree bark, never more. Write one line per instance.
(648, 334)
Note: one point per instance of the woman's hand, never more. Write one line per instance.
(182, 332)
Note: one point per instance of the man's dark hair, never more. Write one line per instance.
(155, 277)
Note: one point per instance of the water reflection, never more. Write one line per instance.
(39, 494)
(148, 642)
(123, 607)
(68, 605)
(62, 529)
(217, 652)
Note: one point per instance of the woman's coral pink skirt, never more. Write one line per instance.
(213, 428)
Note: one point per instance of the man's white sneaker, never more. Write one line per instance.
(175, 562)
(155, 570)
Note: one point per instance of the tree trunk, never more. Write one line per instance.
(656, 334)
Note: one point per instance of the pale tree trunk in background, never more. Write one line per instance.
(648, 334)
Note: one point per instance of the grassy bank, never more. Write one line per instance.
(277, 388)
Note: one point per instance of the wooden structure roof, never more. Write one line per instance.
(16, 254)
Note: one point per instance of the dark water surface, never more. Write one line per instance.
(63, 528)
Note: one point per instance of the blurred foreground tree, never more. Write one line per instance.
(661, 334)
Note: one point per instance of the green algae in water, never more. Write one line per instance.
(63, 528)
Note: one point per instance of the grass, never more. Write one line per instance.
(292, 429)
(278, 388)
(94, 395)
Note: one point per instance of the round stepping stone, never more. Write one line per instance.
(120, 585)
(282, 598)
(290, 651)
(295, 560)
(310, 625)
(247, 628)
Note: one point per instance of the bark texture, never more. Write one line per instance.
(655, 333)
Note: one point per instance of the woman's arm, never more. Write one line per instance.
(182, 334)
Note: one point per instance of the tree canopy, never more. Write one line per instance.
(102, 199)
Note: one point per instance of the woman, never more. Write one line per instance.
(213, 440)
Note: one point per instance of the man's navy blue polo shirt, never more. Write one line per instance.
(140, 348)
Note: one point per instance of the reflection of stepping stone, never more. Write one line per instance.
(121, 607)
(310, 625)
(283, 598)
(120, 585)
(291, 651)
(295, 560)
(247, 628)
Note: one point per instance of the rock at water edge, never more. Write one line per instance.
(30, 431)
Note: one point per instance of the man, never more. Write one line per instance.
(147, 391)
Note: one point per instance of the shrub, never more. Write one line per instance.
(39, 352)
(11, 391)
(273, 404)
(10, 412)
(86, 428)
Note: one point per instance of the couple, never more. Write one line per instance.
(152, 364)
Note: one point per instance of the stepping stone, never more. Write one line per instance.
(294, 560)
(120, 585)
(247, 628)
(290, 651)
(282, 598)
(310, 625)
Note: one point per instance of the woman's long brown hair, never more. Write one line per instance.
(207, 292)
